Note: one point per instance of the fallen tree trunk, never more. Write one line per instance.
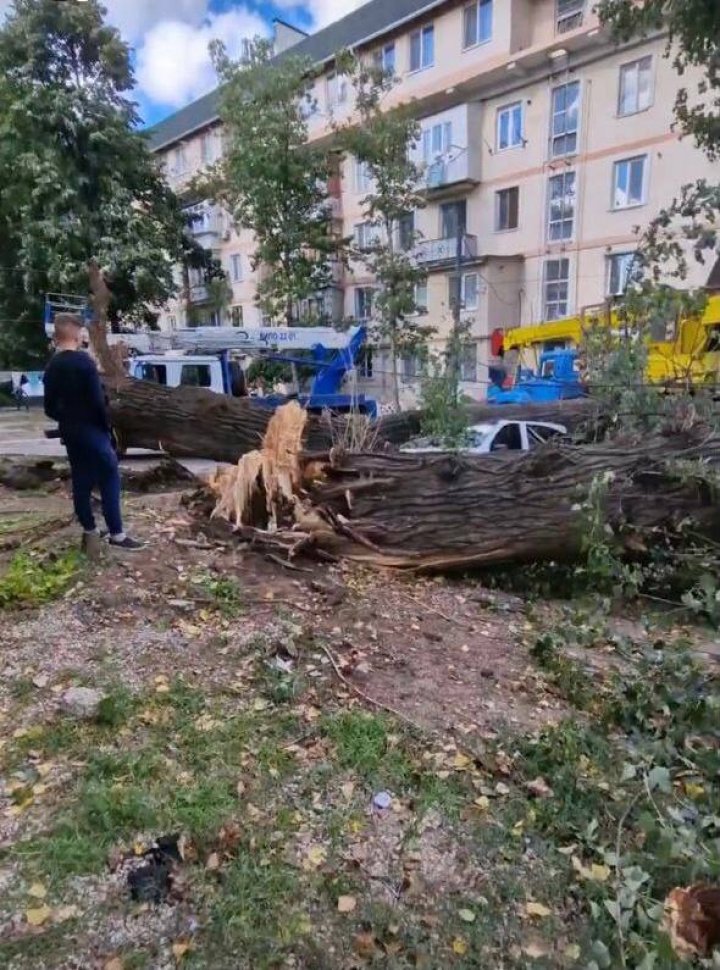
(452, 511)
(447, 511)
(194, 422)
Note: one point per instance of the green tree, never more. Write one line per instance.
(382, 141)
(77, 180)
(271, 179)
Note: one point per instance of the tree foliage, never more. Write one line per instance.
(382, 141)
(76, 177)
(271, 179)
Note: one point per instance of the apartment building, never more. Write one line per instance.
(543, 146)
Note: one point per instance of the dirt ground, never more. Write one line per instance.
(331, 742)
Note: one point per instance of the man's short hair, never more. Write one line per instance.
(67, 324)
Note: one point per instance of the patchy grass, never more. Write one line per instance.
(32, 579)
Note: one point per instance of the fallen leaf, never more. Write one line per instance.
(572, 951)
(114, 964)
(459, 946)
(180, 948)
(36, 917)
(37, 891)
(595, 873)
(315, 856)
(537, 909)
(346, 904)
(63, 913)
(539, 787)
(213, 861)
(260, 704)
(461, 761)
(364, 944)
(466, 915)
(536, 949)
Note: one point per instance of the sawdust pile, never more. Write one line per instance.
(273, 472)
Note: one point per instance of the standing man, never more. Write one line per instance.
(74, 397)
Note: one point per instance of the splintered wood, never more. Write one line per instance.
(273, 472)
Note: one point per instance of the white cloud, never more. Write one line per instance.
(173, 63)
(135, 17)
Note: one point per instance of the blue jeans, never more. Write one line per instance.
(93, 463)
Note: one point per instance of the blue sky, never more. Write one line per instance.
(170, 40)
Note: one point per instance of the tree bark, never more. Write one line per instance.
(451, 511)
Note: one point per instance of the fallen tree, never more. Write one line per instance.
(447, 511)
(194, 422)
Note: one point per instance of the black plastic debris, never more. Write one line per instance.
(152, 880)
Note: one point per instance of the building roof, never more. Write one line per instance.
(370, 20)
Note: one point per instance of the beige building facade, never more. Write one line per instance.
(543, 147)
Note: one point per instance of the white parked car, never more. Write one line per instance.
(500, 435)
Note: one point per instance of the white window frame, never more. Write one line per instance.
(436, 141)
(363, 179)
(510, 110)
(498, 193)
(236, 268)
(463, 294)
(420, 34)
(475, 7)
(356, 302)
(469, 362)
(564, 175)
(207, 147)
(545, 283)
(381, 57)
(336, 89)
(635, 204)
(366, 235)
(635, 67)
(566, 132)
(421, 306)
(569, 20)
(610, 261)
(180, 166)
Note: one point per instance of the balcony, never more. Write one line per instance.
(205, 224)
(199, 293)
(438, 252)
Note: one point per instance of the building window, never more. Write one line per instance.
(366, 235)
(363, 179)
(561, 207)
(384, 58)
(410, 367)
(236, 316)
(477, 23)
(569, 15)
(364, 364)
(422, 48)
(469, 291)
(453, 219)
(308, 105)
(556, 284)
(436, 141)
(208, 147)
(180, 166)
(421, 297)
(468, 363)
(236, 268)
(507, 207)
(406, 231)
(635, 86)
(619, 271)
(510, 126)
(565, 118)
(335, 89)
(363, 302)
(629, 182)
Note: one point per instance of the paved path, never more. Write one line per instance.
(23, 433)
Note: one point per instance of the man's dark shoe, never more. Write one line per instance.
(127, 544)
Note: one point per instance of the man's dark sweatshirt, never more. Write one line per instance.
(74, 396)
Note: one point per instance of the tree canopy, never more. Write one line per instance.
(77, 179)
(271, 179)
